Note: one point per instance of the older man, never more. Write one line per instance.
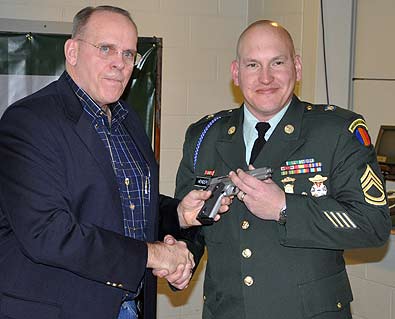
(79, 189)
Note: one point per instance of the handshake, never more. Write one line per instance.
(171, 259)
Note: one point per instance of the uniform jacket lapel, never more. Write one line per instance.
(285, 139)
(230, 144)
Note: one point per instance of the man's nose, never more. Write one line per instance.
(118, 60)
(265, 75)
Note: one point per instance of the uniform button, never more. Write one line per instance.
(245, 224)
(339, 305)
(204, 298)
(248, 281)
(120, 286)
(246, 253)
(114, 284)
(108, 283)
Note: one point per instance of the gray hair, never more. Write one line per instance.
(81, 18)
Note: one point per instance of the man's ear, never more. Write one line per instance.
(71, 51)
(234, 68)
(298, 67)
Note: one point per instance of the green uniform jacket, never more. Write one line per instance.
(261, 269)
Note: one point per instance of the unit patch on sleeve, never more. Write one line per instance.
(372, 188)
(360, 130)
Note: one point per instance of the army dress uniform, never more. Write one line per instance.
(322, 157)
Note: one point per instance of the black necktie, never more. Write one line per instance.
(262, 128)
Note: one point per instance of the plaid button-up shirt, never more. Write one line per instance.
(130, 168)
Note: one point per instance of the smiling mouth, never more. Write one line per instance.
(113, 80)
(266, 91)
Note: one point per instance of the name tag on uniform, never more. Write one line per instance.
(202, 182)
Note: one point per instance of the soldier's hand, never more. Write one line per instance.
(264, 198)
(193, 202)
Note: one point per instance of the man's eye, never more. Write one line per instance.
(252, 65)
(278, 62)
(105, 49)
(128, 54)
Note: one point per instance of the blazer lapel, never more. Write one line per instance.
(84, 129)
(137, 132)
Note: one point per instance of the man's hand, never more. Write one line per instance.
(168, 255)
(264, 198)
(192, 203)
(183, 274)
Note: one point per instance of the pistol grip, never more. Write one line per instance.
(211, 206)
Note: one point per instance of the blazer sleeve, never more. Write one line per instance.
(168, 217)
(37, 202)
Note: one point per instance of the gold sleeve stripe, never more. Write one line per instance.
(337, 220)
(349, 220)
(343, 220)
(329, 217)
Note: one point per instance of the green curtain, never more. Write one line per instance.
(33, 54)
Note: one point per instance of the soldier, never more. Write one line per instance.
(279, 254)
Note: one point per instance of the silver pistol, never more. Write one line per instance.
(222, 186)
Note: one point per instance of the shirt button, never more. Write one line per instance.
(132, 206)
(245, 224)
(246, 253)
(248, 281)
(339, 305)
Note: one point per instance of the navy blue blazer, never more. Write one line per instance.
(62, 249)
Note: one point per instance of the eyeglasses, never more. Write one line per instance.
(107, 51)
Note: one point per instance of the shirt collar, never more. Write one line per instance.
(118, 111)
(250, 133)
(250, 121)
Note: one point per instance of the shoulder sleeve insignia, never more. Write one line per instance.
(372, 188)
(360, 130)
